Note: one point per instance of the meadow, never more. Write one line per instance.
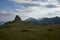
(29, 32)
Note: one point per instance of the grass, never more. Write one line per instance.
(23, 32)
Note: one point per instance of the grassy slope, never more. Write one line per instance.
(15, 31)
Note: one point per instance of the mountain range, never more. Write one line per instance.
(45, 21)
(50, 21)
(32, 21)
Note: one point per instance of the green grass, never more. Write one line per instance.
(19, 31)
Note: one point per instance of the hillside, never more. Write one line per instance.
(17, 31)
(23, 30)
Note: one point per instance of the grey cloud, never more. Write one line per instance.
(51, 6)
(4, 18)
(54, 13)
(27, 4)
(5, 14)
(41, 0)
(59, 1)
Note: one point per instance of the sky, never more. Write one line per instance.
(28, 8)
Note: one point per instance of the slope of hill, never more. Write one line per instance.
(22, 30)
(15, 31)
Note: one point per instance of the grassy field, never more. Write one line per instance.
(17, 32)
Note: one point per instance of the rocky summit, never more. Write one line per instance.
(17, 18)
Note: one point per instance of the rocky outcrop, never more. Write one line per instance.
(17, 18)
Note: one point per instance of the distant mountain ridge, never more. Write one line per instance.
(32, 21)
(50, 21)
(47, 21)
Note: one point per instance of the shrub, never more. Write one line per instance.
(24, 30)
(50, 30)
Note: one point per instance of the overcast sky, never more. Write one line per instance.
(28, 8)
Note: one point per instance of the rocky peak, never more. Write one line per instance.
(17, 18)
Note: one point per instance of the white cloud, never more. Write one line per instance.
(38, 12)
(34, 11)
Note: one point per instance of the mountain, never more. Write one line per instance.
(44, 21)
(17, 18)
(40, 19)
(32, 21)
(50, 21)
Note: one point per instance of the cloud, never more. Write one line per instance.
(53, 14)
(38, 12)
(28, 8)
(40, 3)
(6, 15)
(41, 0)
(4, 12)
(51, 6)
(27, 4)
(59, 1)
